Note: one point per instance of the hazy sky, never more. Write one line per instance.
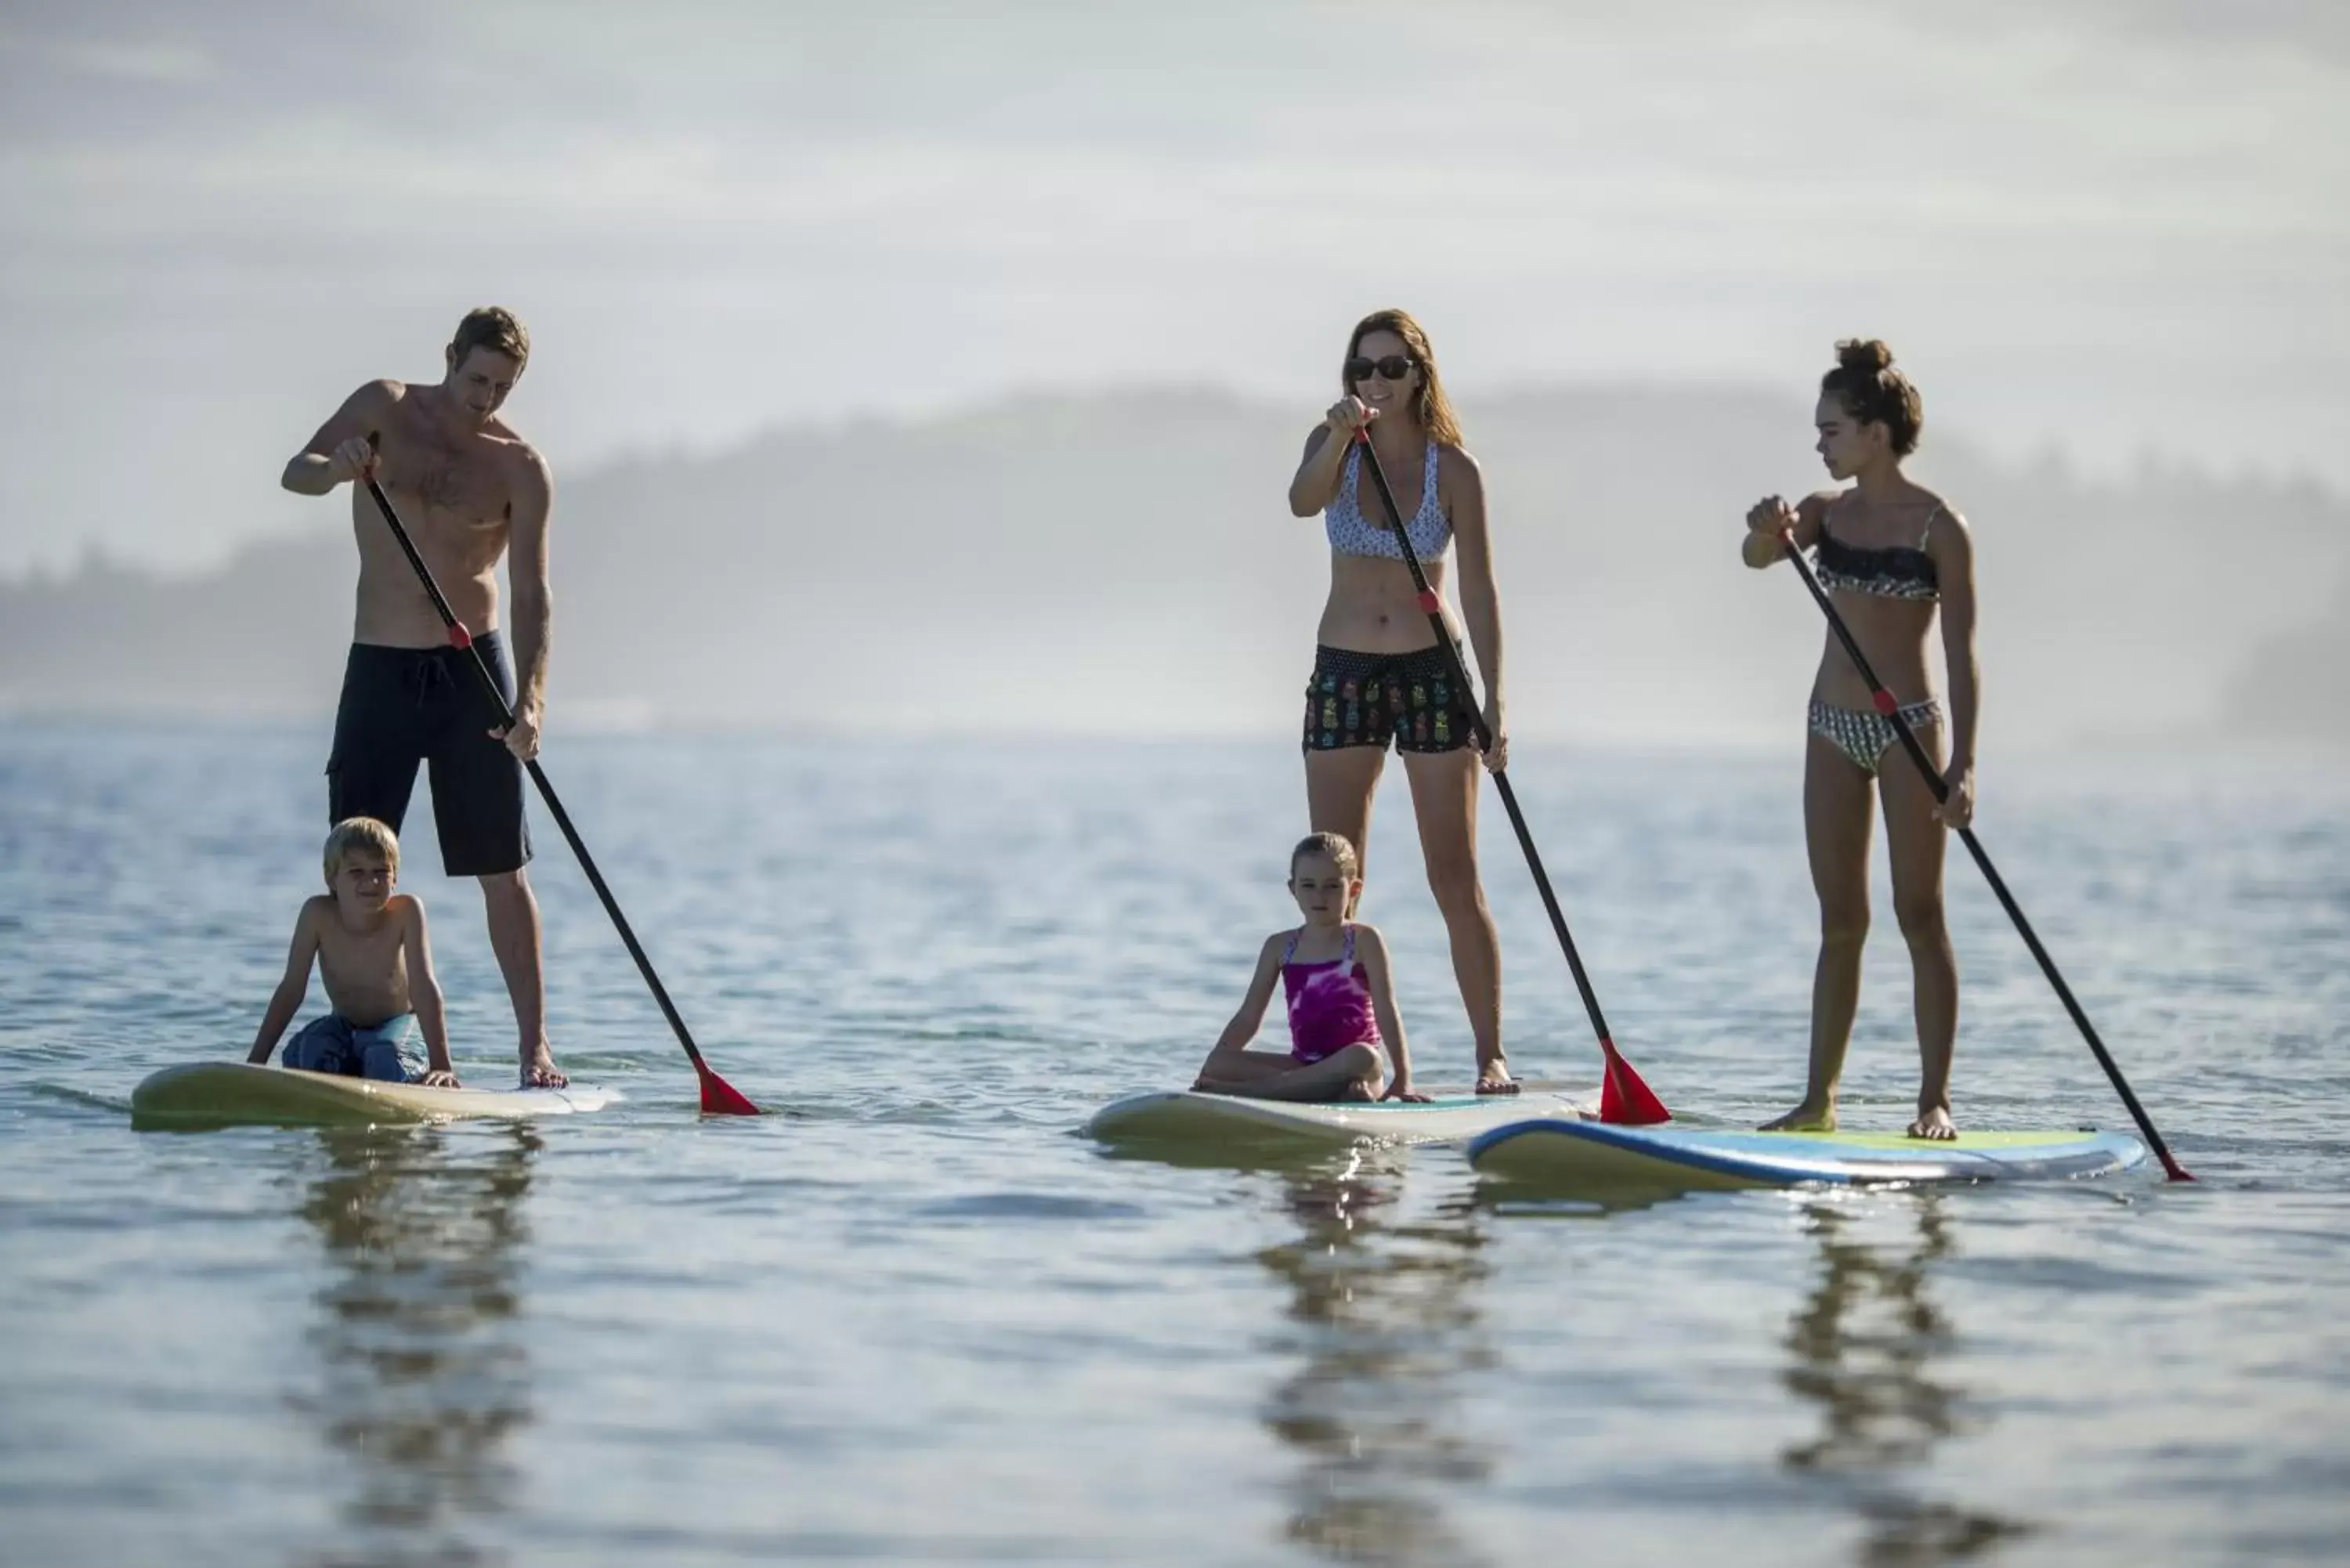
(2108, 227)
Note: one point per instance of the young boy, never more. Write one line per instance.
(377, 964)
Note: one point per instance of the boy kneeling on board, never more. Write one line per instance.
(1341, 1001)
(377, 963)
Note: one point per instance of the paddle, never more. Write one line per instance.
(1886, 704)
(1623, 1097)
(718, 1097)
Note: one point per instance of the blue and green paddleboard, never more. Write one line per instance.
(1586, 1154)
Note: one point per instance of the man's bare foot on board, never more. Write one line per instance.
(1493, 1078)
(1805, 1118)
(539, 1072)
(1934, 1125)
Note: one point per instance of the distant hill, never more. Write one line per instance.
(2296, 683)
(1126, 563)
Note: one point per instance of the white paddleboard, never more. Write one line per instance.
(1677, 1159)
(229, 1094)
(1188, 1117)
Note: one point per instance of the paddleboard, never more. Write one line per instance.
(229, 1094)
(1594, 1155)
(1190, 1117)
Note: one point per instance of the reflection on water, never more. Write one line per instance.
(423, 1371)
(1864, 1346)
(1383, 1315)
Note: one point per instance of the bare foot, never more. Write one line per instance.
(1935, 1126)
(1804, 1118)
(1493, 1078)
(539, 1072)
(1356, 1089)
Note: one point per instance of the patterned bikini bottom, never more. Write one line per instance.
(1864, 734)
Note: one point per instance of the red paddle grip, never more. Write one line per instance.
(459, 637)
(1884, 702)
(1432, 601)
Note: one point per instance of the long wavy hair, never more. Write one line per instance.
(1429, 406)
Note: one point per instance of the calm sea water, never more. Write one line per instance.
(915, 1317)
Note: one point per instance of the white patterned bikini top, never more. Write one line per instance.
(1352, 534)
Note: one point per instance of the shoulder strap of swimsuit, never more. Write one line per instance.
(1427, 477)
(1927, 531)
(1829, 511)
(1291, 950)
(1347, 954)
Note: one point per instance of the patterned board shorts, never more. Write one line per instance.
(1373, 699)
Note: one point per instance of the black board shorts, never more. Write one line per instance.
(402, 706)
(1406, 700)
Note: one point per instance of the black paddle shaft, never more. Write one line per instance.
(1942, 788)
(1433, 603)
(461, 637)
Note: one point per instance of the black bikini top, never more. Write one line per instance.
(1888, 572)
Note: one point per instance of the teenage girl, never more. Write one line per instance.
(1892, 554)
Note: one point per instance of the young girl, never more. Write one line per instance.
(1898, 558)
(1341, 1001)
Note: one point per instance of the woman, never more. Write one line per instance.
(1892, 553)
(1379, 675)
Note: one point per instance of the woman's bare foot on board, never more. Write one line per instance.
(1493, 1078)
(1935, 1126)
(539, 1072)
(1804, 1118)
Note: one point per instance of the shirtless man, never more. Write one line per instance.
(469, 489)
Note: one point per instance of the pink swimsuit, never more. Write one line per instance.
(1329, 1003)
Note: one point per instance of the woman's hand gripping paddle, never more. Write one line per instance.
(719, 1097)
(1886, 704)
(1623, 1097)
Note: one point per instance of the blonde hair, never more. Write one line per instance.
(1429, 406)
(360, 832)
(1333, 844)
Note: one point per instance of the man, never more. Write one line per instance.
(469, 489)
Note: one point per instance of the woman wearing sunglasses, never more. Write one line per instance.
(1379, 677)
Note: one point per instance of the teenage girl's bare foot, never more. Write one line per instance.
(1806, 1117)
(539, 1072)
(1935, 1124)
(1493, 1078)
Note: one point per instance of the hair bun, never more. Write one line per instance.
(1864, 355)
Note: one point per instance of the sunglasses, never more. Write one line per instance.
(1394, 368)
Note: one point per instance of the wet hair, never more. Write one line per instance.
(360, 832)
(493, 328)
(1874, 393)
(1429, 406)
(1333, 844)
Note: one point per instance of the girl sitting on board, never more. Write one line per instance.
(1341, 1000)
(1892, 553)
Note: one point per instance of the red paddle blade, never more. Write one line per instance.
(1624, 1099)
(720, 1098)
